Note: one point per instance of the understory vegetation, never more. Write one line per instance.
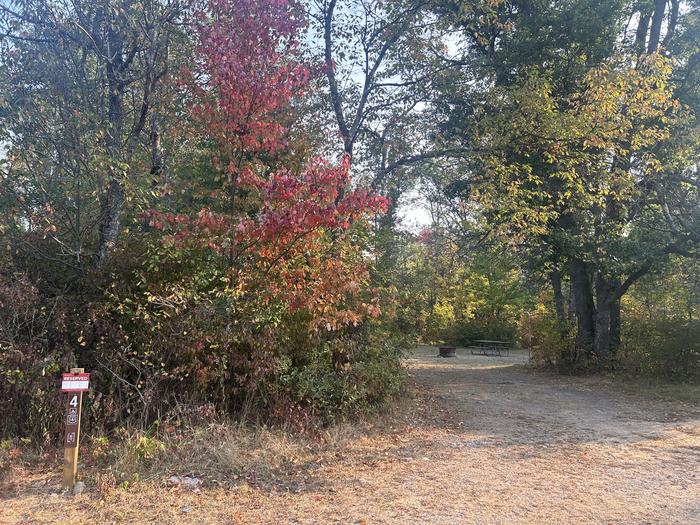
(213, 205)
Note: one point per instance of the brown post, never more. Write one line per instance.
(72, 437)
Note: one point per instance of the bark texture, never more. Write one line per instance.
(585, 309)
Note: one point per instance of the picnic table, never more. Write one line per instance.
(493, 348)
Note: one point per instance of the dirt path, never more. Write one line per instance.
(537, 447)
(496, 443)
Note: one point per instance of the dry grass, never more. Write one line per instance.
(226, 453)
(217, 452)
(246, 471)
(686, 393)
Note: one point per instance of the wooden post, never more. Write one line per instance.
(71, 441)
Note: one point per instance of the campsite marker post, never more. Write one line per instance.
(74, 384)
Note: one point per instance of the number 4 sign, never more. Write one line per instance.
(74, 384)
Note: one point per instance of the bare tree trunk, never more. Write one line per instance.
(640, 40)
(585, 309)
(111, 207)
(601, 340)
(335, 96)
(615, 326)
(156, 151)
(123, 142)
(113, 198)
(571, 305)
(656, 23)
(672, 22)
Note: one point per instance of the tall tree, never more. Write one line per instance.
(79, 80)
(379, 72)
(590, 199)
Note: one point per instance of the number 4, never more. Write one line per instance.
(74, 401)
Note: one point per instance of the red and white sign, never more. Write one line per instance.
(75, 382)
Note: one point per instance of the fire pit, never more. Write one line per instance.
(447, 351)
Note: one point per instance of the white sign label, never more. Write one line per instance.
(75, 382)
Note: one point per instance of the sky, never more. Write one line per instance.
(413, 212)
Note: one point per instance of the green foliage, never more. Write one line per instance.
(541, 332)
(467, 332)
(666, 348)
(148, 448)
(370, 374)
(460, 299)
(587, 142)
(553, 155)
(661, 331)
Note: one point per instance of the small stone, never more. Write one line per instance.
(78, 488)
(185, 509)
(191, 483)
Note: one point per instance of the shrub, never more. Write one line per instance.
(31, 355)
(465, 333)
(541, 331)
(152, 351)
(438, 321)
(8, 454)
(337, 389)
(667, 348)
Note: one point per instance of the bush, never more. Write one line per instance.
(31, 356)
(667, 348)
(149, 358)
(369, 374)
(465, 333)
(541, 332)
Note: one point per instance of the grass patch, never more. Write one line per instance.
(682, 392)
(222, 452)
(200, 443)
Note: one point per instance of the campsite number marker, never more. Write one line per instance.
(74, 384)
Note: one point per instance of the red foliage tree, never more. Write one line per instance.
(299, 250)
(247, 71)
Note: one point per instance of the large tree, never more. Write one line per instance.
(79, 80)
(585, 151)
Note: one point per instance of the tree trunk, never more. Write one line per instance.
(601, 340)
(615, 326)
(585, 309)
(111, 205)
(555, 280)
(113, 198)
(387, 231)
(640, 40)
(156, 152)
(570, 305)
(656, 23)
(672, 23)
